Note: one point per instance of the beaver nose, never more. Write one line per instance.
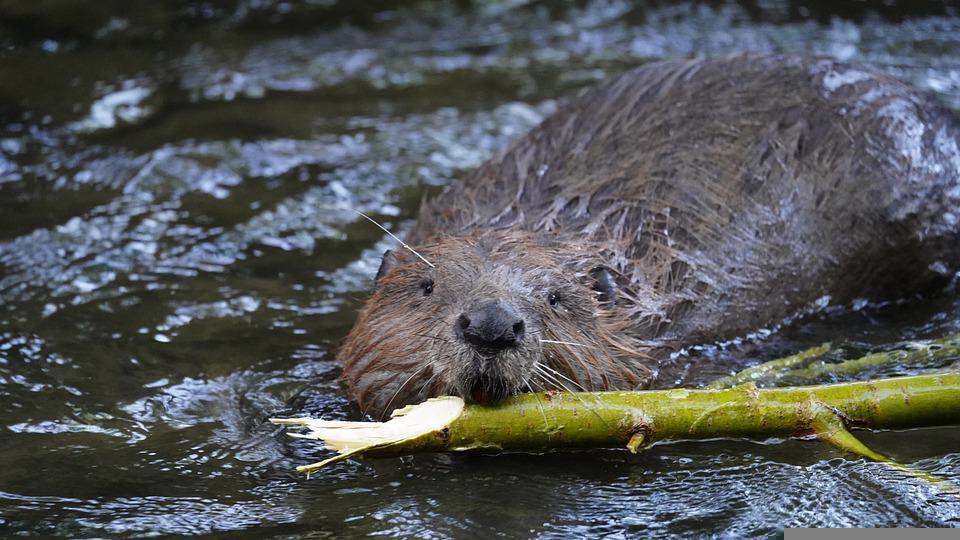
(490, 326)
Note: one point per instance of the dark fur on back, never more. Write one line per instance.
(722, 196)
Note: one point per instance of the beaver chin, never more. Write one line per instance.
(485, 390)
(491, 378)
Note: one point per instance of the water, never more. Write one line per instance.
(179, 255)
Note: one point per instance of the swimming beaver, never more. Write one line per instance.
(678, 203)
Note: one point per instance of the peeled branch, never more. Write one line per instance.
(638, 419)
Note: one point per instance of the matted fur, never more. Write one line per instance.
(722, 195)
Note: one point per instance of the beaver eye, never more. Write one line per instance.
(426, 285)
(554, 298)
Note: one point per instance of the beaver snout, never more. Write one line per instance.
(490, 327)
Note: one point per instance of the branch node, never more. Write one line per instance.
(636, 442)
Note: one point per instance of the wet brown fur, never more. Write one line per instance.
(723, 195)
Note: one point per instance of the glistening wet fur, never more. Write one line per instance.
(677, 204)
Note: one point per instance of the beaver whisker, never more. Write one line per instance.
(402, 243)
(547, 377)
(435, 338)
(566, 361)
(567, 343)
(424, 388)
(556, 382)
(543, 413)
(399, 388)
(564, 376)
(572, 393)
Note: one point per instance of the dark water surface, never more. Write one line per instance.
(179, 255)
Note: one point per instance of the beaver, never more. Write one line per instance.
(680, 203)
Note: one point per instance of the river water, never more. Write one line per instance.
(180, 254)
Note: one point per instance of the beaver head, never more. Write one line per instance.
(499, 312)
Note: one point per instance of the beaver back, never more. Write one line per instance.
(729, 194)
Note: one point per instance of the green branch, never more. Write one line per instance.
(808, 367)
(638, 419)
(768, 372)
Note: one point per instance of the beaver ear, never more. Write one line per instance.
(387, 263)
(604, 284)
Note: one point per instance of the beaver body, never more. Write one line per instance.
(676, 204)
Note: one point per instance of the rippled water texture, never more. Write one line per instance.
(179, 255)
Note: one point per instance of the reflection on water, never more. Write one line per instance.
(180, 253)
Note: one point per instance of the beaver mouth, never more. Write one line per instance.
(486, 390)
